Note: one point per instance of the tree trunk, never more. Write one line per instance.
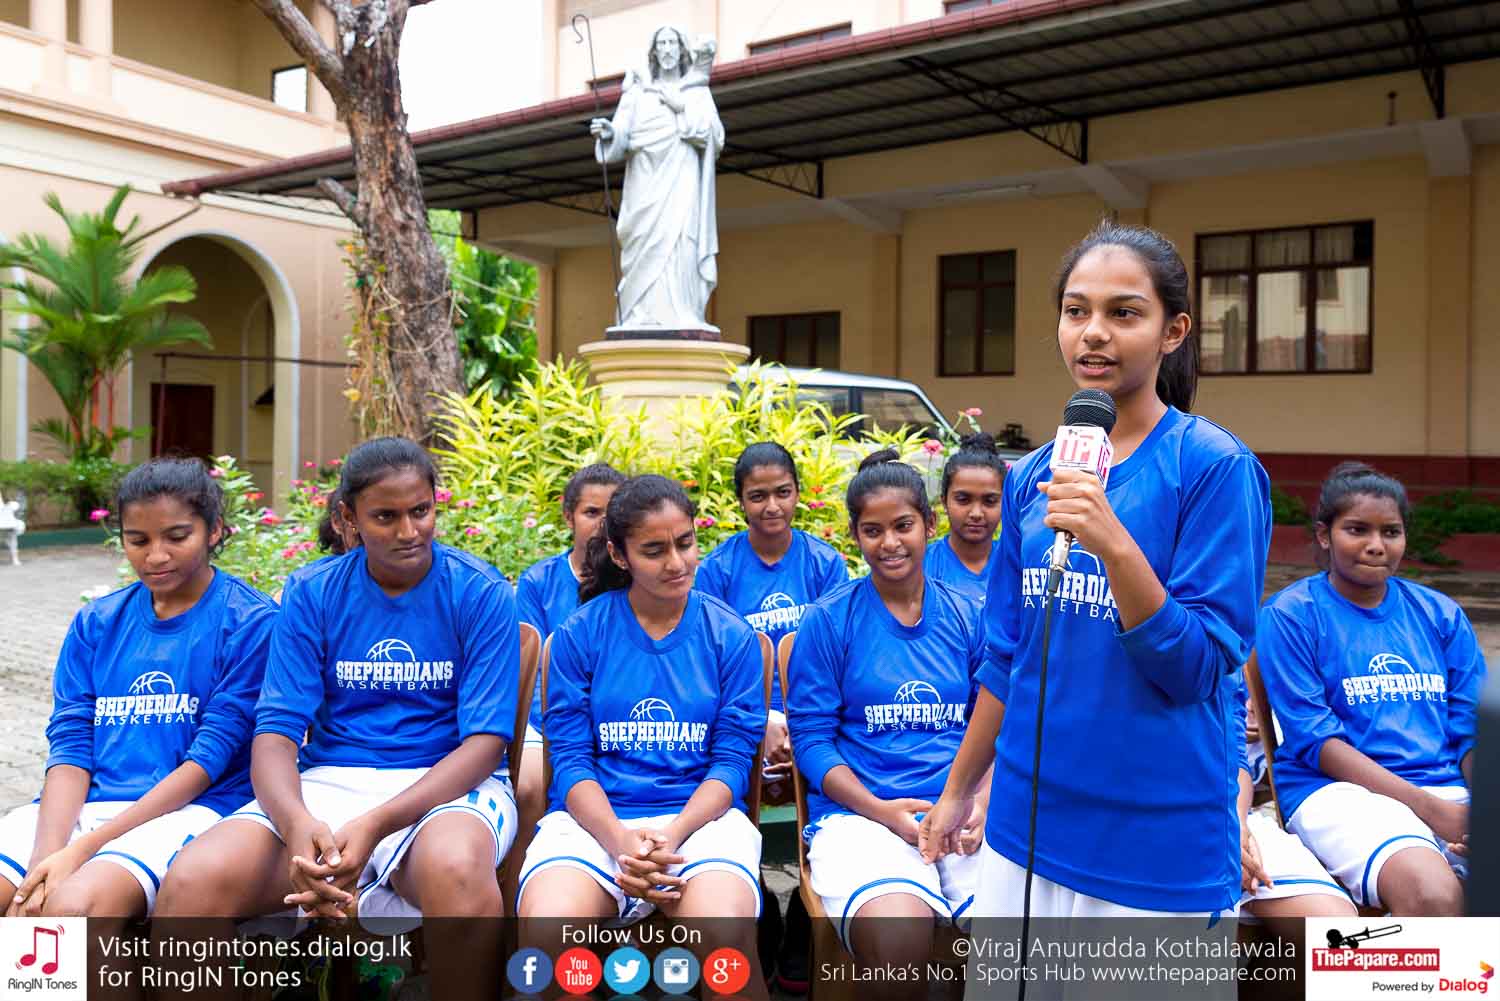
(410, 281)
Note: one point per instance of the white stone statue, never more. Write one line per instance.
(668, 132)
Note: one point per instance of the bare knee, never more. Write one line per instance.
(73, 899)
(458, 881)
(896, 928)
(1438, 897)
(197, 884)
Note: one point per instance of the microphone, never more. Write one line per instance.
(1082, 442)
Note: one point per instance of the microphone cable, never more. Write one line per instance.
(1054, 581)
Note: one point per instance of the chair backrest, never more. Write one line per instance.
(531, 646)
(799, 784)
(768, 665)
(541, 679)
(1266, 722)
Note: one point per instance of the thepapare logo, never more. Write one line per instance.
(391, 665)
(778, 610)
(917, 705)
(652, 726)
(1084, 589)
(152, 698)
(1390, 677)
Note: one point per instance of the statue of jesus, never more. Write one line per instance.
(668, 132)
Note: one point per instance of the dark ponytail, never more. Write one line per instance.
(1177, 379)
(374, 460)
(598, 474)
(628, 507)
(330, 526)
(884, 470)
(1349, 480)
(186, 480)
(763, 453)
(976, 451)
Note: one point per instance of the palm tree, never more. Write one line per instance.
(90, 319)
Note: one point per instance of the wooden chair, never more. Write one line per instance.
(509, 872)
(826, 945)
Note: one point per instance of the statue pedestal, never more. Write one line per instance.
(657, 371)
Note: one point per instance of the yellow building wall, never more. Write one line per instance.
(233, 45)
(1484, 359)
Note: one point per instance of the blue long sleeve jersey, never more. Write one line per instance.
(382, 682)
(888, 700)
(135, 696)
(651, 720)
(771, 596)
(1139, 759)
(546, 595)
(942, 563)
(1400, 683)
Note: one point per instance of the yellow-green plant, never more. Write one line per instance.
(517, 454)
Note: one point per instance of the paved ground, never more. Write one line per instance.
(37, 601)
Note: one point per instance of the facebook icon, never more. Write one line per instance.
(529, 971)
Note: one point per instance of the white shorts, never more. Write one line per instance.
(729, 844)
(338, 794)
(854, 860)
(1002, 894)
(1294, 870)
(533, 737)
(1354, 832)
(144, 852)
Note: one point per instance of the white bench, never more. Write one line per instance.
(11, 527)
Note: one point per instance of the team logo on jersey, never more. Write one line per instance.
(151, 698)
(652, 726)
(1084, 589)
(778, 610)
(390, 665)
(1390, 677)
(917, 705)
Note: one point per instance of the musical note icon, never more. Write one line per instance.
(47, 968)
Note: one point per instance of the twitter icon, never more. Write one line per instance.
(626, 970)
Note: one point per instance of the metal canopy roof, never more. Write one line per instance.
(1045, 67)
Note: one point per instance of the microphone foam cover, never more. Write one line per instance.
(1090, 408)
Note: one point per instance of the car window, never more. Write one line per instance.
(891, 408)
(836, 398)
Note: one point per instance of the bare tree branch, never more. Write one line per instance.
(343, 198)
(303, 37)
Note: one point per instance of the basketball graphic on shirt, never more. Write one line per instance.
(391, 651)
(1079, 559)
(919, 692)
(777, 599)
(153, 683)
(1382, 663)
(652, 710)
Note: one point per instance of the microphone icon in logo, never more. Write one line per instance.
(1338, 940)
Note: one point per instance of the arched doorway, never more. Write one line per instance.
(213, 406)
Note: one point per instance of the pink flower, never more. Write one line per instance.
(973, 412)
(932, 446)
(309, 465)
(254, 495)
(298, 483)
(705, 522)
(216, 473)
(443, 496)
(296, 529)
(269, 517)
(335, 462)
(99, 514)
(466, 502)
(529, 523)
(319, 501)
(817, 504)
(289, 552)
(472, 530)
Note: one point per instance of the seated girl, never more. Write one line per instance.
(972, 480)
(654, 710)
(879, 689)
(1376, 682)
(398, 662)
(152, 706)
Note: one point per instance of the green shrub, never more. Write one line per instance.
(1287, 509)
(1436, 519)
(70, 490)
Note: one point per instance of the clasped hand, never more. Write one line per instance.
(644, 854)
(325, 871)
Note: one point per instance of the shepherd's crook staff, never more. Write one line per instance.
(609, 206)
